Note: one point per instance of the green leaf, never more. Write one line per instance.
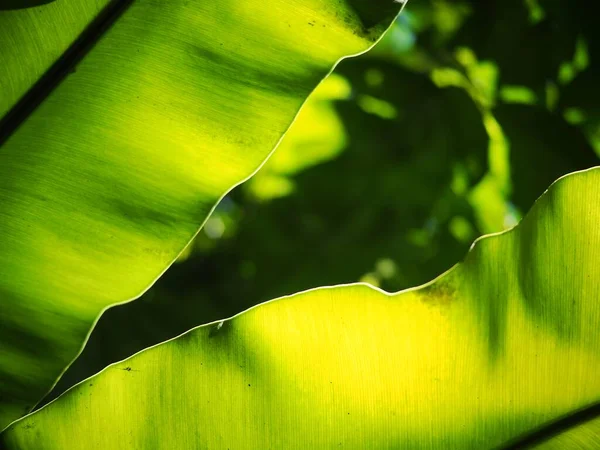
(132, 133)
(502, 344)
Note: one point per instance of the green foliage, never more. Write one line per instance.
(448, 129)
(495, 348)
(406, 191)
(106, 181)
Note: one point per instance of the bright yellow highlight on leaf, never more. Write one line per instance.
(501, 344)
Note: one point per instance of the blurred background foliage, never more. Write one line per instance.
(448, 129)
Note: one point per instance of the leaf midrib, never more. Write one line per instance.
(62, 67)
(553, 428)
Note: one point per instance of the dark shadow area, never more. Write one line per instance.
(7, 5)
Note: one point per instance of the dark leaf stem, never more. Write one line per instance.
(65, 65)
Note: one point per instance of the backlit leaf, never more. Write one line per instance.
(501, 345)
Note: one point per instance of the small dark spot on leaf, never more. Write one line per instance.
(441, 293)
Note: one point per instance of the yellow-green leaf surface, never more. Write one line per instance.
(503, 343)
(105, 182)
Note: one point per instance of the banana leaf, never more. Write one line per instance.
(123, 124)
(502, 351)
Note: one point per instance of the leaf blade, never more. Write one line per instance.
(491, 350)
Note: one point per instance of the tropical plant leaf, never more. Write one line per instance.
(142, 115)
(500, 345)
